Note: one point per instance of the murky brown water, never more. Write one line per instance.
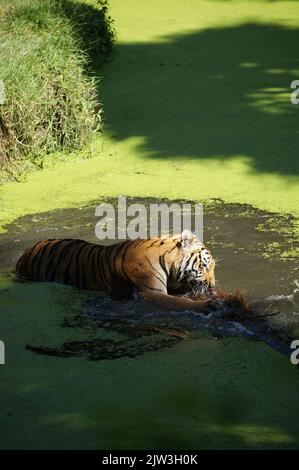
(251, 245)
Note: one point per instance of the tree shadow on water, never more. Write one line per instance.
(218, 93)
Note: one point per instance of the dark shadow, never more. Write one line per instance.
(202, 394)
(92, 27)
(218, 93)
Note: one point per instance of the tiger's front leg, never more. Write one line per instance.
(156, 293)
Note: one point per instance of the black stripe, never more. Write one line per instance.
(141, 241)
(55, 243)
(102, 267)
(94, 252)
(110, 254)
(51, 258)
(132, 284)
(91, 245)
(173, 248)
(158, 275)
(158, 241)
(111, 262)
(105, 265)
(69, 244)
(152, 288)
(124, 248)
(29, 258)
(118, 251)
(189, 263)
(194, 261)
(77, 264)
(65, 279)
(49, 274)
(163, 265)
(155, 276)
(39, 258)
(82, 265)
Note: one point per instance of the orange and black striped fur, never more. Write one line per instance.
(153, 267)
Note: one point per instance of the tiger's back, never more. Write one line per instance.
(82, 264)
(63, 261)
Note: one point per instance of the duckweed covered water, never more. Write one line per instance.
(153, 384)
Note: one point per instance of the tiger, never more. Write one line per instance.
(154, 268)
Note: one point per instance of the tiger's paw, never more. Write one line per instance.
(207, 306)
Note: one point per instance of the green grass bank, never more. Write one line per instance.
(46, 51)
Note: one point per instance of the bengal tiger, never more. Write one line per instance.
(153, 267)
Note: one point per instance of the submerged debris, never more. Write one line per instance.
(136, 327)
(133, 340)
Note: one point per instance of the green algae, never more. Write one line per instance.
(150, 146)
(202, 393)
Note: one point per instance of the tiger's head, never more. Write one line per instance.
(197, 265)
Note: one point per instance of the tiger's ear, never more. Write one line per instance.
(187, 237)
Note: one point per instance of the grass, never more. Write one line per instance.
(51, 100)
